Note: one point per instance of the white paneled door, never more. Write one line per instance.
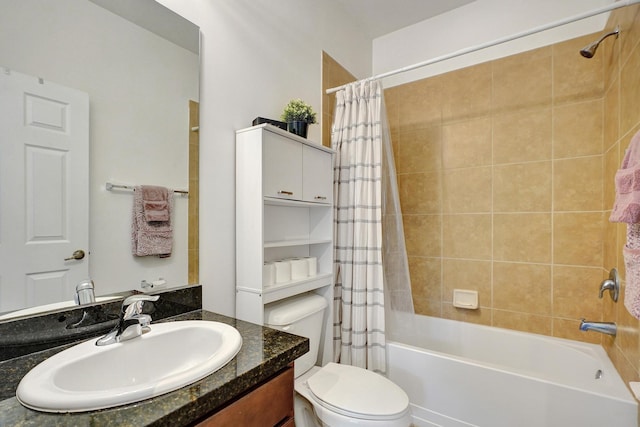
(44, 190)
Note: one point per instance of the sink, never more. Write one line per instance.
(88, 377)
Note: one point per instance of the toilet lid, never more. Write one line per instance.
(357, 392)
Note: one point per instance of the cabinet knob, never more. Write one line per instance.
(320, 198)
(287, 193)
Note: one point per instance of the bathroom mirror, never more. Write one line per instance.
(138, 62)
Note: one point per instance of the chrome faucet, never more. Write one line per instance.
(132, 322)
(84, 292)
(608, 328)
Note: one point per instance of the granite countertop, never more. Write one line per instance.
(264, 352)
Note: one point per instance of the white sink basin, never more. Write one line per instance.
(87, 377)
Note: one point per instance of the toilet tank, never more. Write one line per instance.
(299, 315)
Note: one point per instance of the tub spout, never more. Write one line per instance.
(608, 328)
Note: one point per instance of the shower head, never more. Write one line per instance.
(590, 50)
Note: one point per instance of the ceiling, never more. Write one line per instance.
(158, 19)
(380, 17)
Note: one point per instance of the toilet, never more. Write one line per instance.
(334, 395)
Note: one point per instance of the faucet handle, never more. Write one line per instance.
(139, 297)
(612, 284)
(606, 284)
(132, 305)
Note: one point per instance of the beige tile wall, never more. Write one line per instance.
(505, 172)
(500, 171)
(333, 75)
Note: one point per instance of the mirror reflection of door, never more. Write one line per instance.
(44, 190)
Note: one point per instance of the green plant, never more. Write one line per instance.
(298, 110)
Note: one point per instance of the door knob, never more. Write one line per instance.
(79, 254)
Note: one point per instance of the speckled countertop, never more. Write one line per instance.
(264, 352)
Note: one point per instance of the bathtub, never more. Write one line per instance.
(461, 374)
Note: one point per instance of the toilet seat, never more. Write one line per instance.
(357, 393)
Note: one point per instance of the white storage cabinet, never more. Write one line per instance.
(284, 195)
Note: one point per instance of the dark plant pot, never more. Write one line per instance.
(299, 128)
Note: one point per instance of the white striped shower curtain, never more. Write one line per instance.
(359, 322)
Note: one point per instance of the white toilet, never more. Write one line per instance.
(334, 395)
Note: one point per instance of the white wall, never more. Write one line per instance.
(73, 43)
(256, 56)
(479, 22)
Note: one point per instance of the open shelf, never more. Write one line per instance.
(279, 291)
(300, 242)
(273, 201)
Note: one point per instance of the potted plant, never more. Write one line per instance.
(298, 115)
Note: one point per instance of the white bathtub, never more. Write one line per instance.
(461, 374)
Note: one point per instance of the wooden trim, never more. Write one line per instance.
(194, 194)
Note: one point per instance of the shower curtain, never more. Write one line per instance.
(363, 170)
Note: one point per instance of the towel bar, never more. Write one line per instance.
(110, 186)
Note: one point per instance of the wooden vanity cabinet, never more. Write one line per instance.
(268, 405)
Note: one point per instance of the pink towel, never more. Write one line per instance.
(155, 203)
(155, 211)
(627, 209)
(631, 253)
(151, 237)
(627, 204)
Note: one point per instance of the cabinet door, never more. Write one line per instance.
(281, 162)
(271, 404)
(317, 175)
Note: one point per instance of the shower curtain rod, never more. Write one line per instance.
(603, 9)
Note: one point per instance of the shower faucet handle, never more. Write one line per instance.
(612, 284)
